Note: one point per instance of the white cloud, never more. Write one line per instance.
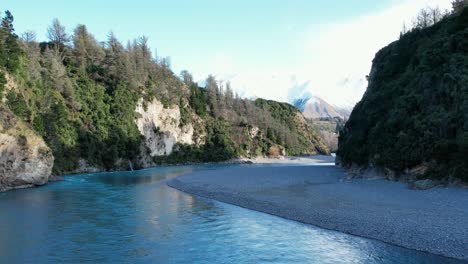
(335, 57)
(341, 54)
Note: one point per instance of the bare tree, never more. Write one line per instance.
(423, 19)
(187, 78)
(32, 52)
(428, 16)
(28, 36)
(57, 33)
(435, 15)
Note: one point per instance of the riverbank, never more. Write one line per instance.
(84, 168)
(322, 159)
(313, 159)
(433, 221)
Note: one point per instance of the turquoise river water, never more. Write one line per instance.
(133, 217)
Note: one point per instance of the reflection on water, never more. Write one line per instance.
(128, 217)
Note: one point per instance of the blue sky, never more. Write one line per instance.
(266, 48)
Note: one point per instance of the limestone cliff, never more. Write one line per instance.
(25, 160)
(162, 128)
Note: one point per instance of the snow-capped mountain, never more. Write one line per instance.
(316, 107)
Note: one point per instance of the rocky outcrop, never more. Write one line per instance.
(25, 160)
(276, 151)
(161, 127)
(415, 177)
(9, 85)
(253, 131)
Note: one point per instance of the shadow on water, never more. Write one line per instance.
(138, 177)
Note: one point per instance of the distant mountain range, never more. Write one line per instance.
(315, 107)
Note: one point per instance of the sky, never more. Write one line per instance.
(274, 49)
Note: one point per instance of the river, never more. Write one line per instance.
(133, 217)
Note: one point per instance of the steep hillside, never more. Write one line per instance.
(103, 106)
(414, 112)
(328, 129)
(324, 118)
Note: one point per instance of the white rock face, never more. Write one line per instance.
(253, 132)
(161, 127)
(25, 160)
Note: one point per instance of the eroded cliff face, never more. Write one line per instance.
(162, 129)
(25, 160)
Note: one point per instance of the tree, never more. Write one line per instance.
(7, 22)
(10, 50)
(427, 17)
(403, 31)
(116, 60)
(187, 78)
(212, 92)
(86, 47)
(57, 34)
(113, 43)
(435, 15)
(229, 95)
(28, 36)
(55, 75)
(423, 19)
(166, 62)
(33, 54)
(458, 5)
(221, 99)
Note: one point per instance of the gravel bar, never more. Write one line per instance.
(434, 221)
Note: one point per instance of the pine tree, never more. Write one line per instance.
(7, 22)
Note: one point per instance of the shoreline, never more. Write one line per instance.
(320, 195)
(312, 159)
(235, 161)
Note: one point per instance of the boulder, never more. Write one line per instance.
(25, 159)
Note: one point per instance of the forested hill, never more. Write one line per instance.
(105, 105)
(414, 114)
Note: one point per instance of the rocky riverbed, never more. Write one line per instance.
(432, 220)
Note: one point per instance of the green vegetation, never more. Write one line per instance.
(415, 108)
(3, 82)
(10, 51)
(329, 129)
(218, 147)
(80, 95)
(243, 128)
